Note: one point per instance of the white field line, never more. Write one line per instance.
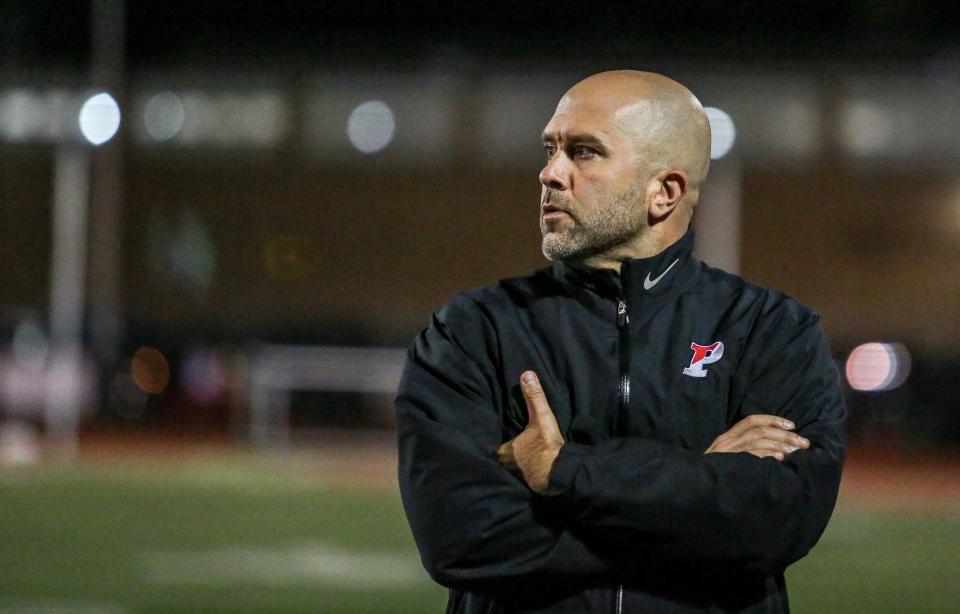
(312, 564)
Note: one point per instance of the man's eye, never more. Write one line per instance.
(549, 150)
(582, 151)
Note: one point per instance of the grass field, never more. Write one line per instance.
(325, 532)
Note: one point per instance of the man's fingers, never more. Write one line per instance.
(777, 434)
(760, 420)
(760, 432)
(773, 445)
(766, 453)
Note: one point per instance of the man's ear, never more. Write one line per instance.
(670, 188)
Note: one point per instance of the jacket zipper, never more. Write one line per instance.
(623, 324)
(622, 317)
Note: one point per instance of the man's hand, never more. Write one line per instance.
(532, 452)
(761, 435)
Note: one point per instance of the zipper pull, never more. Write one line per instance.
(622, 318)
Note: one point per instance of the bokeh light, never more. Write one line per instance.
(150, 370)
(723, 132)
(163, 116)
(99, 118)
(866, 127)
(19, 443)
(204, 375)
(371, 126)
(874, 367)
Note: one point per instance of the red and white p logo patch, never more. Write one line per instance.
(703, 355)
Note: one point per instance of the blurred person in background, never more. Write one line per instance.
(627, 429)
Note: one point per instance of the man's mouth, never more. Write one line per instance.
(551, 211)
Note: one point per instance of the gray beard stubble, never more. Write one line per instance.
(606, 226)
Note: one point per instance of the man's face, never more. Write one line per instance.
(594, 195)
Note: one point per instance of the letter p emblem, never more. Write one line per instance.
(703, 355)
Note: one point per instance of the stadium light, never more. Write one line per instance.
(99, 118)
(19, 443)
(163, 116)
(150, 370)
(875, 367)
(866, 128)
(371, 126)
(723, 132)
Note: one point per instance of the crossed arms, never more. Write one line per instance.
(478, 527)
(531, 454)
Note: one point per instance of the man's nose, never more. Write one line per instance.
(556, 175)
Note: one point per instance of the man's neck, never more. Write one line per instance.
(643, 245)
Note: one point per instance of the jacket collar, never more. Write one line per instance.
(638, 277)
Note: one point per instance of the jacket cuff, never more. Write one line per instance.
(564, 471)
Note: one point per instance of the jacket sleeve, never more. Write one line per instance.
(477, 526)
(684, 505)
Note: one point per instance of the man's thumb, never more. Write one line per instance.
(533, 393)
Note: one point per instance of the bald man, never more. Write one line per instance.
(627, 429)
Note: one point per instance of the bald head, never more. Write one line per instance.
(664, 119)
(626, 154)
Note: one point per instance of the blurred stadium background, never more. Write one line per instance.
(221, 224)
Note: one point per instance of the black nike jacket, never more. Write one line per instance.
(643, 369)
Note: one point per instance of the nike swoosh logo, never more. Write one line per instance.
(649, 283)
